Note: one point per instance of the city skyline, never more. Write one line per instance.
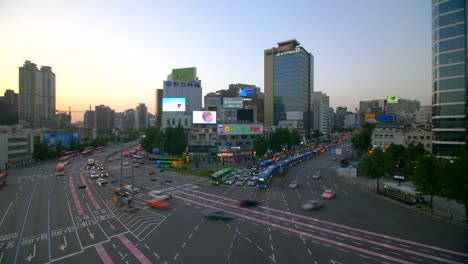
(128, 51)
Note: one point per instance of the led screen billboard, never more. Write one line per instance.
(240, 129)
(52, 139)
(184, 74)
(245, 115)
(385, 118)
(173, 104)
(248, 92)
(204, 117)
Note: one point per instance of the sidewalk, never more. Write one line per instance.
(440, 205)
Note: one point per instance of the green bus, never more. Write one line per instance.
(401, 192)
(220, 176)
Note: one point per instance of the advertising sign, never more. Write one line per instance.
(233, 102)
(240, 129)
(248, 92)
(52, 139)
(184, 74)
(204, 117)
(392, 99)
(385, 118)
(370, 116)
(173, 104)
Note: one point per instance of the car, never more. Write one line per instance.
(219, 215)
(126, 154)
(316, 176)
(93, 174)
(136, 165)
(159, 195)
(126, 163)
(157, 203)
(333, 158)
(230, 181)
(141, 162)
(328, 194)
(151, 173)
(101, 181)
(100, 168)
(240, 182)
(110, 159)
(122, 192)
(251, 182)
(103, 174)
(131, 188)
(293, 184)
(312, 205)
(248, 203)
(117, 158)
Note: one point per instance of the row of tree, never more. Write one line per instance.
(173, 140)
(281, 138)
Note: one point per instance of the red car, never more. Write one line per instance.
(293, 185)
(157, 203)
(328, 194)
(126, 154)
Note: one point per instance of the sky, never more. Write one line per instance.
(117, 53)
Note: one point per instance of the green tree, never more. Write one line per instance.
(260, 145)
(374, 166)
(295, 138)
(316, 134)
(41, 151)
(362, 141)
(428, 175)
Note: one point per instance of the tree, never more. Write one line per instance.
(41, 150)
(295, 138)
(260, 145)
(316, 134)
(373, 166)
(362, 141)
(427, 176)
(460, 179)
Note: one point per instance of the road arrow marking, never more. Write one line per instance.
(33, 254)
(64, 245)
(111, 225)
(90, 234)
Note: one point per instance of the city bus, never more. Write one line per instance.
(66, 159)
(264, 179)
(403, 193)
(72, 153)
(265, 163)
(60, 169)
(220, 176)
(3, 178)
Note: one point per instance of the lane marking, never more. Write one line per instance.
(103, 254)
(134, 250)
(6, 213)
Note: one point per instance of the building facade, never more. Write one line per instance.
(16, 147)
(386, 134)
(449, 81)
(419, 136)
(129, 117)
(9, 108)
(320, 108)
(141, 116)
(36, 95)
(289, 83)
(104, 117)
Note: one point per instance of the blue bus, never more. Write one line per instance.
(264, 179)
(265, 163)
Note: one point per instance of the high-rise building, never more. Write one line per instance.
(104, 117)
(449, 81)
(9, 108)
(320, 108)
(141, 116)
(340, 116)
(89, 119)
(289, 84)
(36, 95)
(129, 120)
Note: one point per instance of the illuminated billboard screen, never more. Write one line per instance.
(245, 115)
(53, 139)
(184, 74)
(392, 99)
(204, 117)
(248, 92)
(240, 129)
(385, 118)
(173, 104)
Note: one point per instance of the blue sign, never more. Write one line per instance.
(156, 151)
(248, 92)
(385, 118)
(52, 139)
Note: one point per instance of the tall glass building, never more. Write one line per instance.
(289, 85)
(449, 76)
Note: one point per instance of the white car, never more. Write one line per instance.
(131, 188)
(94, 175)
(159, 195)
(101, 182)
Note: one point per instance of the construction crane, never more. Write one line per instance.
(69, 112)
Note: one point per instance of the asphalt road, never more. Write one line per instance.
(45, 218)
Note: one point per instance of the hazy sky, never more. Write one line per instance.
(117, 53)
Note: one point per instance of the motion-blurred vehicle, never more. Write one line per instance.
(131, 188)
(316, 176)
(101, 182)
(333, 158)
(219, 215)
(159, 195)
(157, 203)
(293, 184)
(122, 192)
(103, 174)
(312, 205)
(110, 159)
(248, 203)
(328, 194)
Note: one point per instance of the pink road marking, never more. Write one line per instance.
(349, 228)
(90, 194)
(328, 231)
(103, 254)
(75, 197)
(135, 251)
(303, 233)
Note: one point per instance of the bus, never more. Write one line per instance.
(3, 178)
(99, 149)
(72, 153)
(60, 169)
(403, 193)
(265, 163)
(87, 152)
(220, 176)
(137, 158)
(264, 179)
(279, 156)
(66, 159)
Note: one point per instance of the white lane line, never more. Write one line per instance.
(146, 246)
(343, 250)
(6, 215)
(190, 235)
(196, 228)
(260, 248)
(154, 253)
(310, 253)
(364, 256)
(395, 253)
(248, 239)
(183, 245)
(345, 192)
(376, 248)
(271, 247)
(176, 256)
(416, 259)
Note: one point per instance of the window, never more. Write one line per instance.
(428, 137)
(421, 137)
(186, 122)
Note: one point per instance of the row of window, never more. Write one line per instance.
(383, 136)
(449, 123)
(446, 6)
(459, 136)
(451, 44)
(449, 71)
(420, 137)
(447, 58)
(443, 110)
(449, 97)
(448, 19)
(449, 84)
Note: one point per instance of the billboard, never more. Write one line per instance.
(240, 129)
(184, 74)
(204, 117)
(248, 92)
(370, 116)
(385, 118)
(173, 104)
(52, 139)
(392, 99)
(245, 115)
(233, 102)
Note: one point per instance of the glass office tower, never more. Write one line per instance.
(449, 76)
